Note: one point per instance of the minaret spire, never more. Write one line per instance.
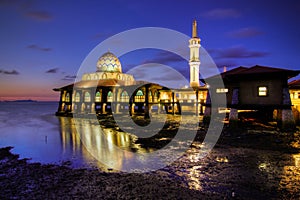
(194, 35)
(194, 45)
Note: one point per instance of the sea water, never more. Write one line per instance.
(34, 132)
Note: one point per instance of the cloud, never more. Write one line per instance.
(12, 72)
(36, 47)
(52, 71)
(69, 78)
(39, 15)
(164, 57)
(245, 32)
(101, 35)
(237, 52)
(221, 13)
(160, 74)
(27, 9)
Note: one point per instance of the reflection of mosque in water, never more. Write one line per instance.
(109, 90)
(108, 145)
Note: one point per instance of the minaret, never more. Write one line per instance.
(194, 57)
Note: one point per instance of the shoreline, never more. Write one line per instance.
(257, 163)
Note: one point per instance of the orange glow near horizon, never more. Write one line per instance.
(15, 90)
(30, 97)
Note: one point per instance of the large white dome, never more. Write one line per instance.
(108, 62)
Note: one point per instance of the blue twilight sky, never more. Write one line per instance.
(43, 43)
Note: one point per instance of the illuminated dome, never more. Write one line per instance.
(108, 62)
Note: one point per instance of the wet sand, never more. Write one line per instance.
(254, 162)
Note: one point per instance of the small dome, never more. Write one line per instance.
(108, 62)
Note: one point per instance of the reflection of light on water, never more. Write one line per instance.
(102, 141)
(110, 140)
(290, 180)
(195, 178)
(263, 166)
(68, 134)
(297, 160)
(222, 159)
(198, 145)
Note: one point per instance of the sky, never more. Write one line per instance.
(43, 43)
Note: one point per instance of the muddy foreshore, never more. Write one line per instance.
(254, 162)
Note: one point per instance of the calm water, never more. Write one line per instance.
(35, 132)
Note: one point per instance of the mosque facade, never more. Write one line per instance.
(109, 90)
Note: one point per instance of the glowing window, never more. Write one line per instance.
(150, 96)
(109, 96)
(139, 93)
(87, 97)
(98, 97)
(124, 97)
(68, 97)
(77, 97)
(155, 96)
(221, 90)
(262, 91)
(139, 97)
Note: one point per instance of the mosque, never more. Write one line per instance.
(109, 90)
(258, 89)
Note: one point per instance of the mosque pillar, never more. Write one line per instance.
(173, 103)
(197, 101)
(147, 112)
(92, 108)
(132, 108)
(60, 108)
(207, 112)
(288, 121)
(116, 102)
(233, 115)
(201, 106)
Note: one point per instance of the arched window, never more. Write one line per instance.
(139, 93)
(77, 97)
(88, 77)
(87, 97)
(98, 97)
(124, 96)
(194, 72)
(104, 76)
(109, 96)
(139, 97)
(150, 96)
(96, 77)
(68, 97)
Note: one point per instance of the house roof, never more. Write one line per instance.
(295, 84)
(241, 72)
(262, 69)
